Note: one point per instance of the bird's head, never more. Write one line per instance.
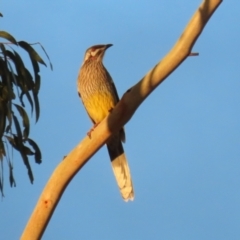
(96, 52)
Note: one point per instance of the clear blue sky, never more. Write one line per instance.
(183, 143)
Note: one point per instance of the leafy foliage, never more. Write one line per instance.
(17, 86)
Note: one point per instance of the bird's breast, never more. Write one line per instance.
(98, 105)
(97, 92)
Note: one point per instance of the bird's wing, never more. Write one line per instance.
(113, 87)
(122, 132)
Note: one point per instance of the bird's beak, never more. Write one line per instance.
(108, 46)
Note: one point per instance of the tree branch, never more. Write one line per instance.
(120, 115)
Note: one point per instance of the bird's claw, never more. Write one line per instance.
(91, 130)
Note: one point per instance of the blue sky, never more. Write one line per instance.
(183, 143)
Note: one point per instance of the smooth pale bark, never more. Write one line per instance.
(120, 115)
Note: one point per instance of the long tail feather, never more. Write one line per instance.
(120, 167)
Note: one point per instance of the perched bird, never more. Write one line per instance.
(99, 96)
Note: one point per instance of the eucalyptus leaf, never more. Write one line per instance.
(17, 81)
(11, 177)
(8, 36)
(2, 150)
(37, 107)
(17, 126)
(33, 54)
(51, 66)
(25, 120)
(38, 155)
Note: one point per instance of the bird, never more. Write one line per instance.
(99, 96)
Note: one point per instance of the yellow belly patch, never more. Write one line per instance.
(99, 105)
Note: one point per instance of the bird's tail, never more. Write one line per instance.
(120, 167)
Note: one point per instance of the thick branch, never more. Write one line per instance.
(120, 115)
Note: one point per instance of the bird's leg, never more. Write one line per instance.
(95, 125)
(89, 133)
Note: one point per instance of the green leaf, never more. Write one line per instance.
(2, 118)
(12, 142)
(19, 65)
(26, 162)
(38, 155)
(8, 36)
(11, 177)
(16, 81)
(18, 129)
(25, 81)
(27, 151)
(37, 84)
(35, 67)
(7, 90)
(4, 94)
(51, 66)
(9, 117)
(32, 53)
(2, 150)
(4, 62)
(29, 80)
(37, 107)
(25, 120)
(23, 73)
(13, 79)
(16, 142)
(1, 179)
(29, 99)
